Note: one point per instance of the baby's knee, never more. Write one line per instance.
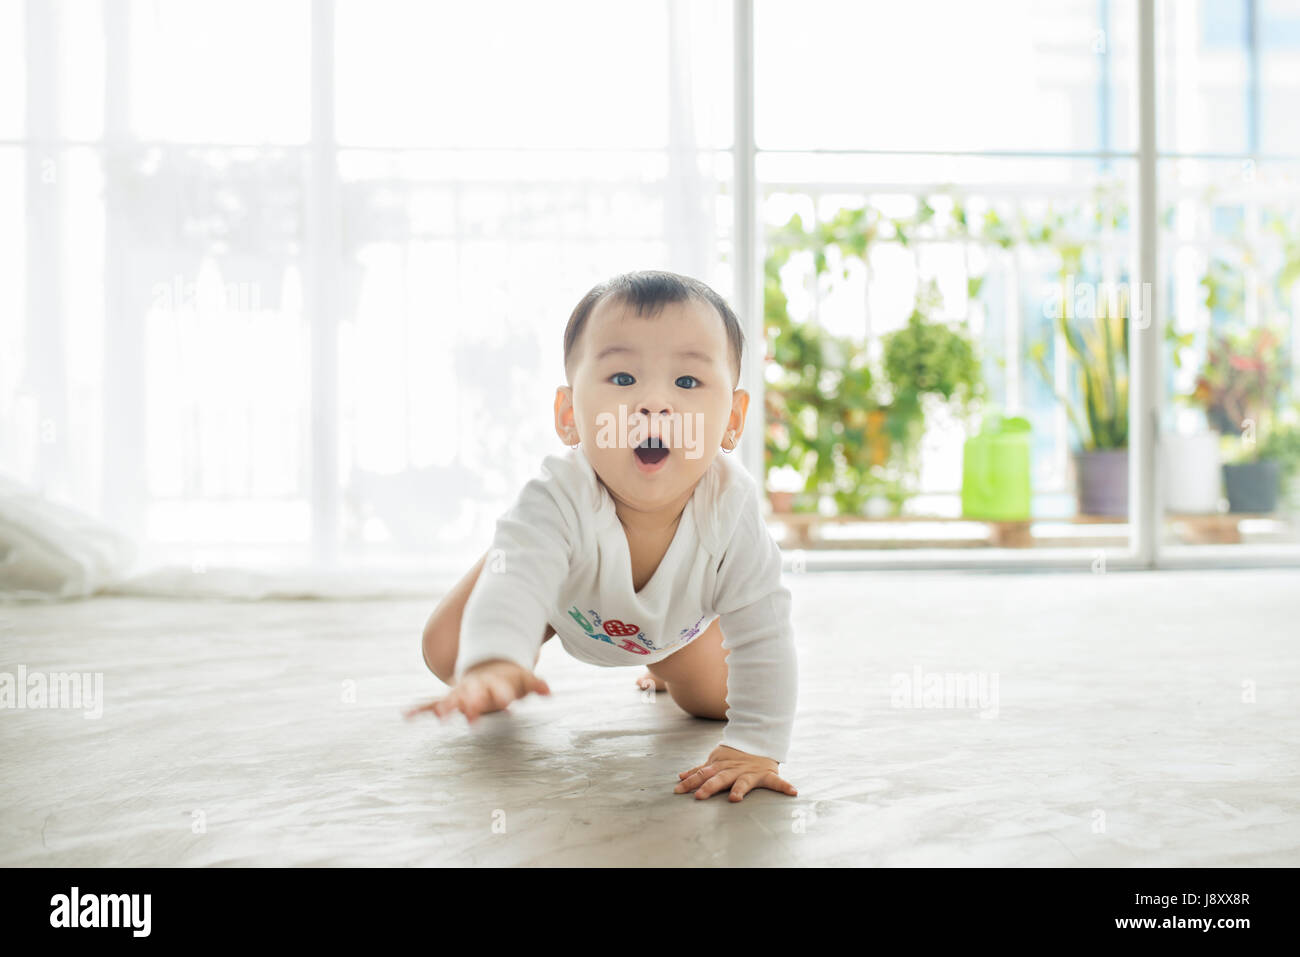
(711, 713)
(699, 702)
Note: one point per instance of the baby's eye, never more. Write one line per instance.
(617, 374)
(691, 377)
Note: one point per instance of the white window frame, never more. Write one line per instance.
(1146, 513)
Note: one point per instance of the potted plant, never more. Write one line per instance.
(825, 420)
(929, 358)
(828, 421)
(1099, 348)
(1243, 375)
(819, 397)
(1282, 445)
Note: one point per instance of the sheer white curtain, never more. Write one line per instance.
(285, 283)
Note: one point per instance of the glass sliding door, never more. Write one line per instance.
(1229, 73)
(949, 224)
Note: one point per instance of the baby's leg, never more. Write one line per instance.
(441, 642)
(696, 676)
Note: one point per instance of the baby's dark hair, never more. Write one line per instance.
(647, 291)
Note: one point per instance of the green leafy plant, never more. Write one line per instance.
(1099, 348)
(1098, 342)
(853, 430)
(850, 430)
(1244, 373)
(820, 394)
(820, 434)
(929, 358)
(1282, 444)
(1225, 287)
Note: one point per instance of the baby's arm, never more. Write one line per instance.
(754, 609)
(762, 676)
(506, 613)
(762, 670)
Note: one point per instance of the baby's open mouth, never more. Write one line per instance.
(652, 451)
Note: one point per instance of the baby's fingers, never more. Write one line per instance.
(447, 704)
(489, 693)
(500, 692)
(539, 686)
(716, 783)
(694, 779)
(427, 706)
(473, 700)
(746, 782)
(439, 706)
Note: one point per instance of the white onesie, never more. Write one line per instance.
(560, 556)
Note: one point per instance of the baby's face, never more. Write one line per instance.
(666, 378)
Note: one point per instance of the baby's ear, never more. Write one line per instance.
(565, 426)
(740, 402)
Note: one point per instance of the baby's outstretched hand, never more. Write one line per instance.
(732, 767)
(488, 686)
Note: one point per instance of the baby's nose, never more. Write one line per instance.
(656, 417)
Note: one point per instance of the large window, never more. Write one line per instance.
(971, 228)
(1229, 84)
(929, 199)
(310, 308)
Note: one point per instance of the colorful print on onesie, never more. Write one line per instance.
(624, 635)
(687, 634)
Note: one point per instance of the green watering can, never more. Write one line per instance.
(995, 470)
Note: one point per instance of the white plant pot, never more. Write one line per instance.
(1192, 472)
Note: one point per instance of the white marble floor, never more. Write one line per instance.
(1130, 719)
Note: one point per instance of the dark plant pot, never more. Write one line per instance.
(1101, 479)
(1252, 486)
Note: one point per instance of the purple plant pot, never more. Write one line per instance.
(1101, 479)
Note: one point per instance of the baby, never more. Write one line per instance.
(640, 544)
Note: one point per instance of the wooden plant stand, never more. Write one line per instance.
(804, 528)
